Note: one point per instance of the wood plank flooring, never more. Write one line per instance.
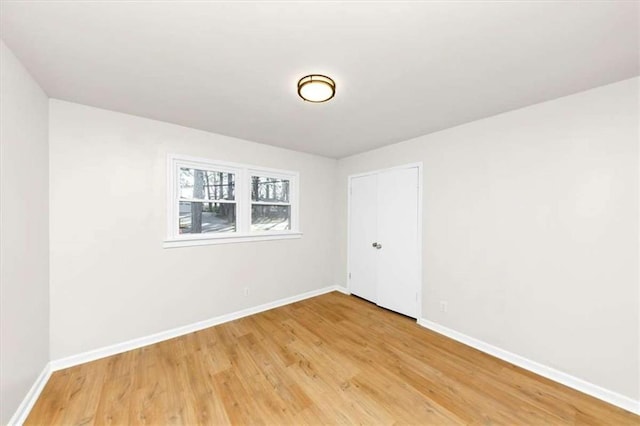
(333, 359)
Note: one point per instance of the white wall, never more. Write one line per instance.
(530, 231)
(24, 219)
(111, 280)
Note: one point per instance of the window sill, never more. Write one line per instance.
(189, 242)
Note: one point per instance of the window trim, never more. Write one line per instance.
(242, 200)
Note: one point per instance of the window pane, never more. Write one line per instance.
(199, 218)
(207, 184)
(270, 218)
(269, 189)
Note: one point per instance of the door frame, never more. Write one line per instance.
(417, 165)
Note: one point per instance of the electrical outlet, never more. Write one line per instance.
(444, 306)
(246, 291)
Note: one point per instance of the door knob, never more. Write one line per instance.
(377, 245)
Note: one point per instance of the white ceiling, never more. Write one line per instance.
(401, 69)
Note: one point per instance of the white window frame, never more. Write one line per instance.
(243, 173)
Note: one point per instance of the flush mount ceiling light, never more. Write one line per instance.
(316, 88)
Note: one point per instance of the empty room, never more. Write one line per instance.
(319, 212)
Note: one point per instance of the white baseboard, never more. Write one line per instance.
(596, 391)
(31, 397)
(343, 290)
(117, 348)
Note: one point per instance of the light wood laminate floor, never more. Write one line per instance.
(333, 359)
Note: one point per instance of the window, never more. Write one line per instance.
(213, 202)
(207, 201)
(270, 206)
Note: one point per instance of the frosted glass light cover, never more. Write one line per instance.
(316, 88)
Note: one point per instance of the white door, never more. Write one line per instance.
(398, 259)
(363, 225)
(384, 240)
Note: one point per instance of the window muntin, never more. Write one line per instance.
(219, 202)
